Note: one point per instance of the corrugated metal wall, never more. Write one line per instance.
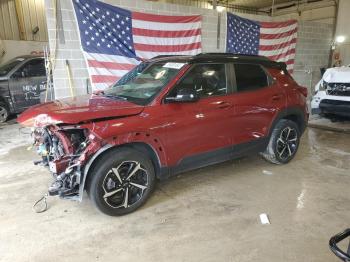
(31, 14)
(8, 20)
(196, 3)
(207, 4)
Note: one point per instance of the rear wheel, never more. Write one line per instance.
(284, 142)
(121, 181)
(4, 112)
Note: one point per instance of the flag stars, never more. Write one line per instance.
(104, 31)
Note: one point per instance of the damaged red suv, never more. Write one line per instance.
(168, 115)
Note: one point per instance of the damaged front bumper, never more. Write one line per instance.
(68, 152)
(336, 107)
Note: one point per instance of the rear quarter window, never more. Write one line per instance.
(250, 77)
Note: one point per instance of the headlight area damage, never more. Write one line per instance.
(65, 151)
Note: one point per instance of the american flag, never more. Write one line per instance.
(275, 40)
(114, 40)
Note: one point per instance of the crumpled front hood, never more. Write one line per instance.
(337, 75)
(78, 109)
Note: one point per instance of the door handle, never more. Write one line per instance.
(276, 97)
(223, 105)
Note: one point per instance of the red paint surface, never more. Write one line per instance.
(177, 130)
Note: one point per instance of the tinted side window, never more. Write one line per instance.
(250, 77)
(206, 79)
(34, 67)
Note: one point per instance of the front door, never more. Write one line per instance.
(199, 131)
(27, 83)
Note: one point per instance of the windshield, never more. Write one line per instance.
(6, 68)
(144, 82)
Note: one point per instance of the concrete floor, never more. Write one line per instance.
(210, 214)
(335, 124)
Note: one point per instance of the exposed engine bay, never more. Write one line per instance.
(338, 89)
(64, 150)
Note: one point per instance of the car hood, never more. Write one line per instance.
(337, 75)
(77, 110)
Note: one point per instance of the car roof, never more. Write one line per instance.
(220, 57)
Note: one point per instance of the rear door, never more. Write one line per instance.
(27, 83)
(256, 99)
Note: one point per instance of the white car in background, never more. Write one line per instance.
(332, 93)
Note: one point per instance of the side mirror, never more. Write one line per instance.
(184, 95)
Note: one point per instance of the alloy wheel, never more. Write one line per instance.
(125, 184)
(287, 143)
(3, 114)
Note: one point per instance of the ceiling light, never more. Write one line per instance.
(220, 8)
(340, 39)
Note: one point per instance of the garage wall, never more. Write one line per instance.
(71, 48)
(29, 14)
(8, 20)
(312, 46)
(343, 29)
(312, 52)
(15, 48)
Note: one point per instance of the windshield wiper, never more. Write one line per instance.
(115, 96)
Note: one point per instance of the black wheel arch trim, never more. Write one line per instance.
(140, 146)
(295, 114)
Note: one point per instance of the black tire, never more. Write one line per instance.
(281, 150)
(104, 181)
(4, 112)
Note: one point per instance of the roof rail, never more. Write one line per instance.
(160, 56)
(232, 54)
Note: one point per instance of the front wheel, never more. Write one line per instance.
(284, 142)
(121, 181)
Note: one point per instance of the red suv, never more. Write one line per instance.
(168, 115)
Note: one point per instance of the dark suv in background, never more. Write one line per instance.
(22, 81)
(168, 115)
